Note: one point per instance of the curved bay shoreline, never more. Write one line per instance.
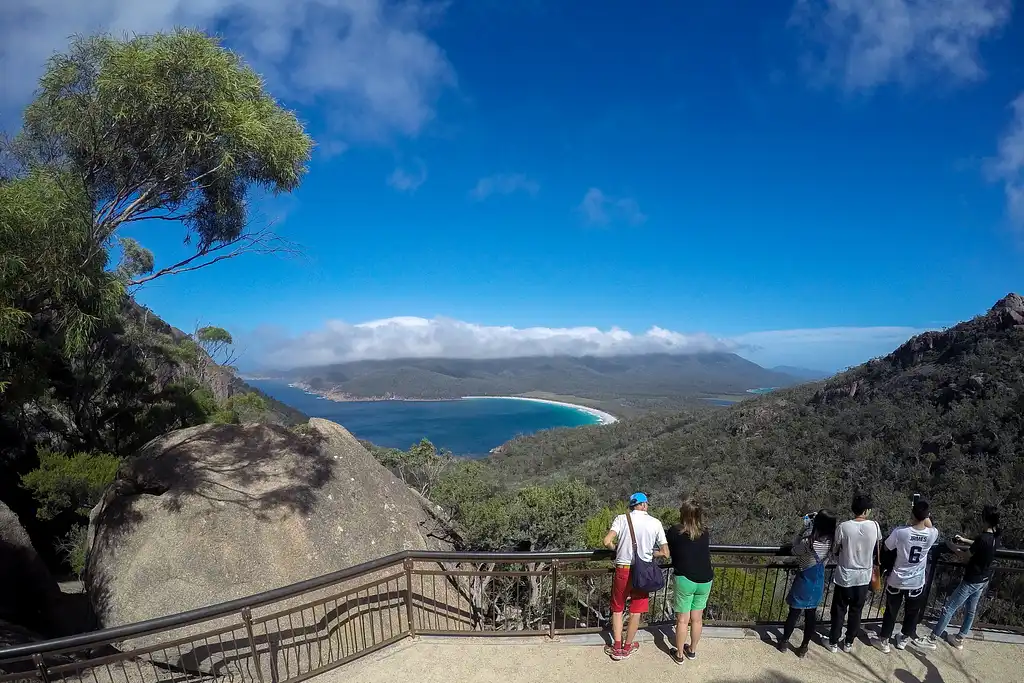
(602, 417)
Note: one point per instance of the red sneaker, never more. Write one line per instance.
(629, 650)
(613, 651)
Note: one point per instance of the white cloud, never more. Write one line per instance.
(504, 183)
(369, 62)
(408, 181)
(409, 337)
(862, 44)
(597, 208)
(413, 337)
(1008, 166)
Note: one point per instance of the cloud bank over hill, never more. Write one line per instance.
(413, 337)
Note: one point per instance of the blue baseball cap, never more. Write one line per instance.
(637, 499)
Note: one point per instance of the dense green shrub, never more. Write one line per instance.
(69, 483)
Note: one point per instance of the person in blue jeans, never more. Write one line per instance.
(977, 573)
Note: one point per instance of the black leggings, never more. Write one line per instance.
(810, 622)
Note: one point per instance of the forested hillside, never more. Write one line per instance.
(637, 380)
(155, 132)
(943, 415)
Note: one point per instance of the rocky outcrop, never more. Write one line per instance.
(1006, 314)
(217, 512)
(30, 597)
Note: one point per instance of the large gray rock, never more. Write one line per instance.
(30, 596)
(217, 512)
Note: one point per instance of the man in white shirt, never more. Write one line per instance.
(906, 581)
(650, 543)
(855, 547)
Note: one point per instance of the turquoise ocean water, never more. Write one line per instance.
(469, 427)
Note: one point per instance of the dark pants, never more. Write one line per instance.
(810, 621)
(847, 599)
(915, 600)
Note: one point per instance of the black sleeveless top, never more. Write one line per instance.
(691, 558)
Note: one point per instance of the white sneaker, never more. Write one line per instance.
(847, 647)
(901, 642)
(883, 645)
(955, 641)
(833, 648)
(926, 643)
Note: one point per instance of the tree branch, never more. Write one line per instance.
(261, 242)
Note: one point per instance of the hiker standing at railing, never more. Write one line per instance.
(812, 546)
(977, 573)
(637, 539)
(857, 542)
(689, 544)
(906, 582)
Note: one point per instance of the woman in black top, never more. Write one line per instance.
(689, 545)
(977, 572)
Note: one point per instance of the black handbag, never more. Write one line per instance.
(646, 577)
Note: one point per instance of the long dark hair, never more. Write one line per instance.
(990, 515)
(824, 527)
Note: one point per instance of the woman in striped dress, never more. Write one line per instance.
(812, 547)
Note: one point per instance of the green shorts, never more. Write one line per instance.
(691, 596)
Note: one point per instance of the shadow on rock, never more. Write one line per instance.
(218, 512)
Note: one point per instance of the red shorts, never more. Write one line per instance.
(621, 586)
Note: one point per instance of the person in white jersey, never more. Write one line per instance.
(650, 543)
(906, 582)
(855, 547)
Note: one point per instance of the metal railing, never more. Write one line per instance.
(296, 632)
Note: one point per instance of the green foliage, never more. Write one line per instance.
(72, 483)
(420, 467)
(942, 416)
(598, 524)
(74, 547)
(240, 409)
(213, 335)
(169, 126)
(530, 518)
(54, 293)
(740, 594)
(136, 260)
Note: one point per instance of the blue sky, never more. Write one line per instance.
(799, 181)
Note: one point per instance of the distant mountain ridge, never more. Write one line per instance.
(942, 415)
(599, 378)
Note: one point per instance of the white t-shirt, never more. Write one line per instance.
(650, 535)
(912, 546)
(855, 543)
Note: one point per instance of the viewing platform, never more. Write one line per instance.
(518, 616)
(725, 656)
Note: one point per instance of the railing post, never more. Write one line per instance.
(409, 612)
(247, 620)
(554, 598)
(44, 674)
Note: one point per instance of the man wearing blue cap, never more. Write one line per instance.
(649, 536)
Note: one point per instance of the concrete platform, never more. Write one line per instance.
(725, 656)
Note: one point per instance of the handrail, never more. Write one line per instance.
(201, 614)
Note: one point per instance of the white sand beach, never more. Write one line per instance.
(603, 417)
